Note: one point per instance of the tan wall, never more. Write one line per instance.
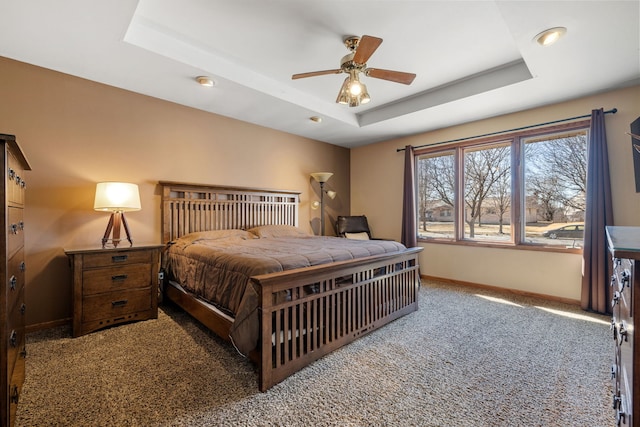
(376, 190)
(75, 133)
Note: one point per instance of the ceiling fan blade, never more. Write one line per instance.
(366, 46)
(315, 73)
(394, 76)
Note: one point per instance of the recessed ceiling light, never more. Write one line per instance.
(316, 119)
(550, 36)
(205, 81)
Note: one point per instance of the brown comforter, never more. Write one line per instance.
(217, 266)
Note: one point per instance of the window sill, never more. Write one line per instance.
(496, 245)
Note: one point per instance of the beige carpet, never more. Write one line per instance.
(461, 360)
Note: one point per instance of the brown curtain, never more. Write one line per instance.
(596, 294)
(409, 228)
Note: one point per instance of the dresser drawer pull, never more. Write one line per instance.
(622, 335)
(120, 303)
(621, 417)
(119, 258)
(625, 278)
(15, 394)
(13, 339)
(23, 266)
(23, 308)
(12, 174)
(13, 282)
(23, 353)
(119, 277)
(13, 229)
(616, 400)
(615, 299)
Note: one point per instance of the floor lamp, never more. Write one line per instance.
(117, 198)
(322, 177)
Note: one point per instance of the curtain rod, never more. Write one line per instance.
(612, 111)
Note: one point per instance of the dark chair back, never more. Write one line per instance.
(352, 224)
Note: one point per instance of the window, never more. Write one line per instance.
(487, 193)
(555, 178)
(523, 189)
(436, 188)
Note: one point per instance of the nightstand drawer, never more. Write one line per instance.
(105, 259)
(120, 277)
(103, 306)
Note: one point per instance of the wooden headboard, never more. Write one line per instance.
(187, 208)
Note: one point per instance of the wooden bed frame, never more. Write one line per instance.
(349, 299)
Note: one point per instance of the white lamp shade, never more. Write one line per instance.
(322, 176)
(117, 197)
(331, 194)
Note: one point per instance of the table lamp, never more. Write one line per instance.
(117, 198)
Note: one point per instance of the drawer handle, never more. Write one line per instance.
(119, 277)
(23, 266)
(622, 335)
(119, 258)
(13, 339)
(120, 303)
(13, 282)
(626, 275)
(13, 229)
(15, 394)
(615, 299)
(23, 308)
(12, 174)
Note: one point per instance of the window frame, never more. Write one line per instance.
(516, 139)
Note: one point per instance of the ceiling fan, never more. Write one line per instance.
(353, 92)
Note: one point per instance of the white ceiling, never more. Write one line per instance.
(473, 59)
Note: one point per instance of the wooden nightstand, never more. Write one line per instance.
(113, 286)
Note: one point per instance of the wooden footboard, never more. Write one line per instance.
(328, 306)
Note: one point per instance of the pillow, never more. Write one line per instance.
(278, 231)
(357, 236)
(216, 235)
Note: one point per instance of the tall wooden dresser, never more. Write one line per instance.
(624, 247)
(12, 278)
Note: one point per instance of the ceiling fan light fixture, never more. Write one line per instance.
(355, 87)
(364, 96)
(550, 36)
(343, 95)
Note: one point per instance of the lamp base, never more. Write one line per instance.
(116, 220)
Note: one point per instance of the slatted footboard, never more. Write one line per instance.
(308, 313)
